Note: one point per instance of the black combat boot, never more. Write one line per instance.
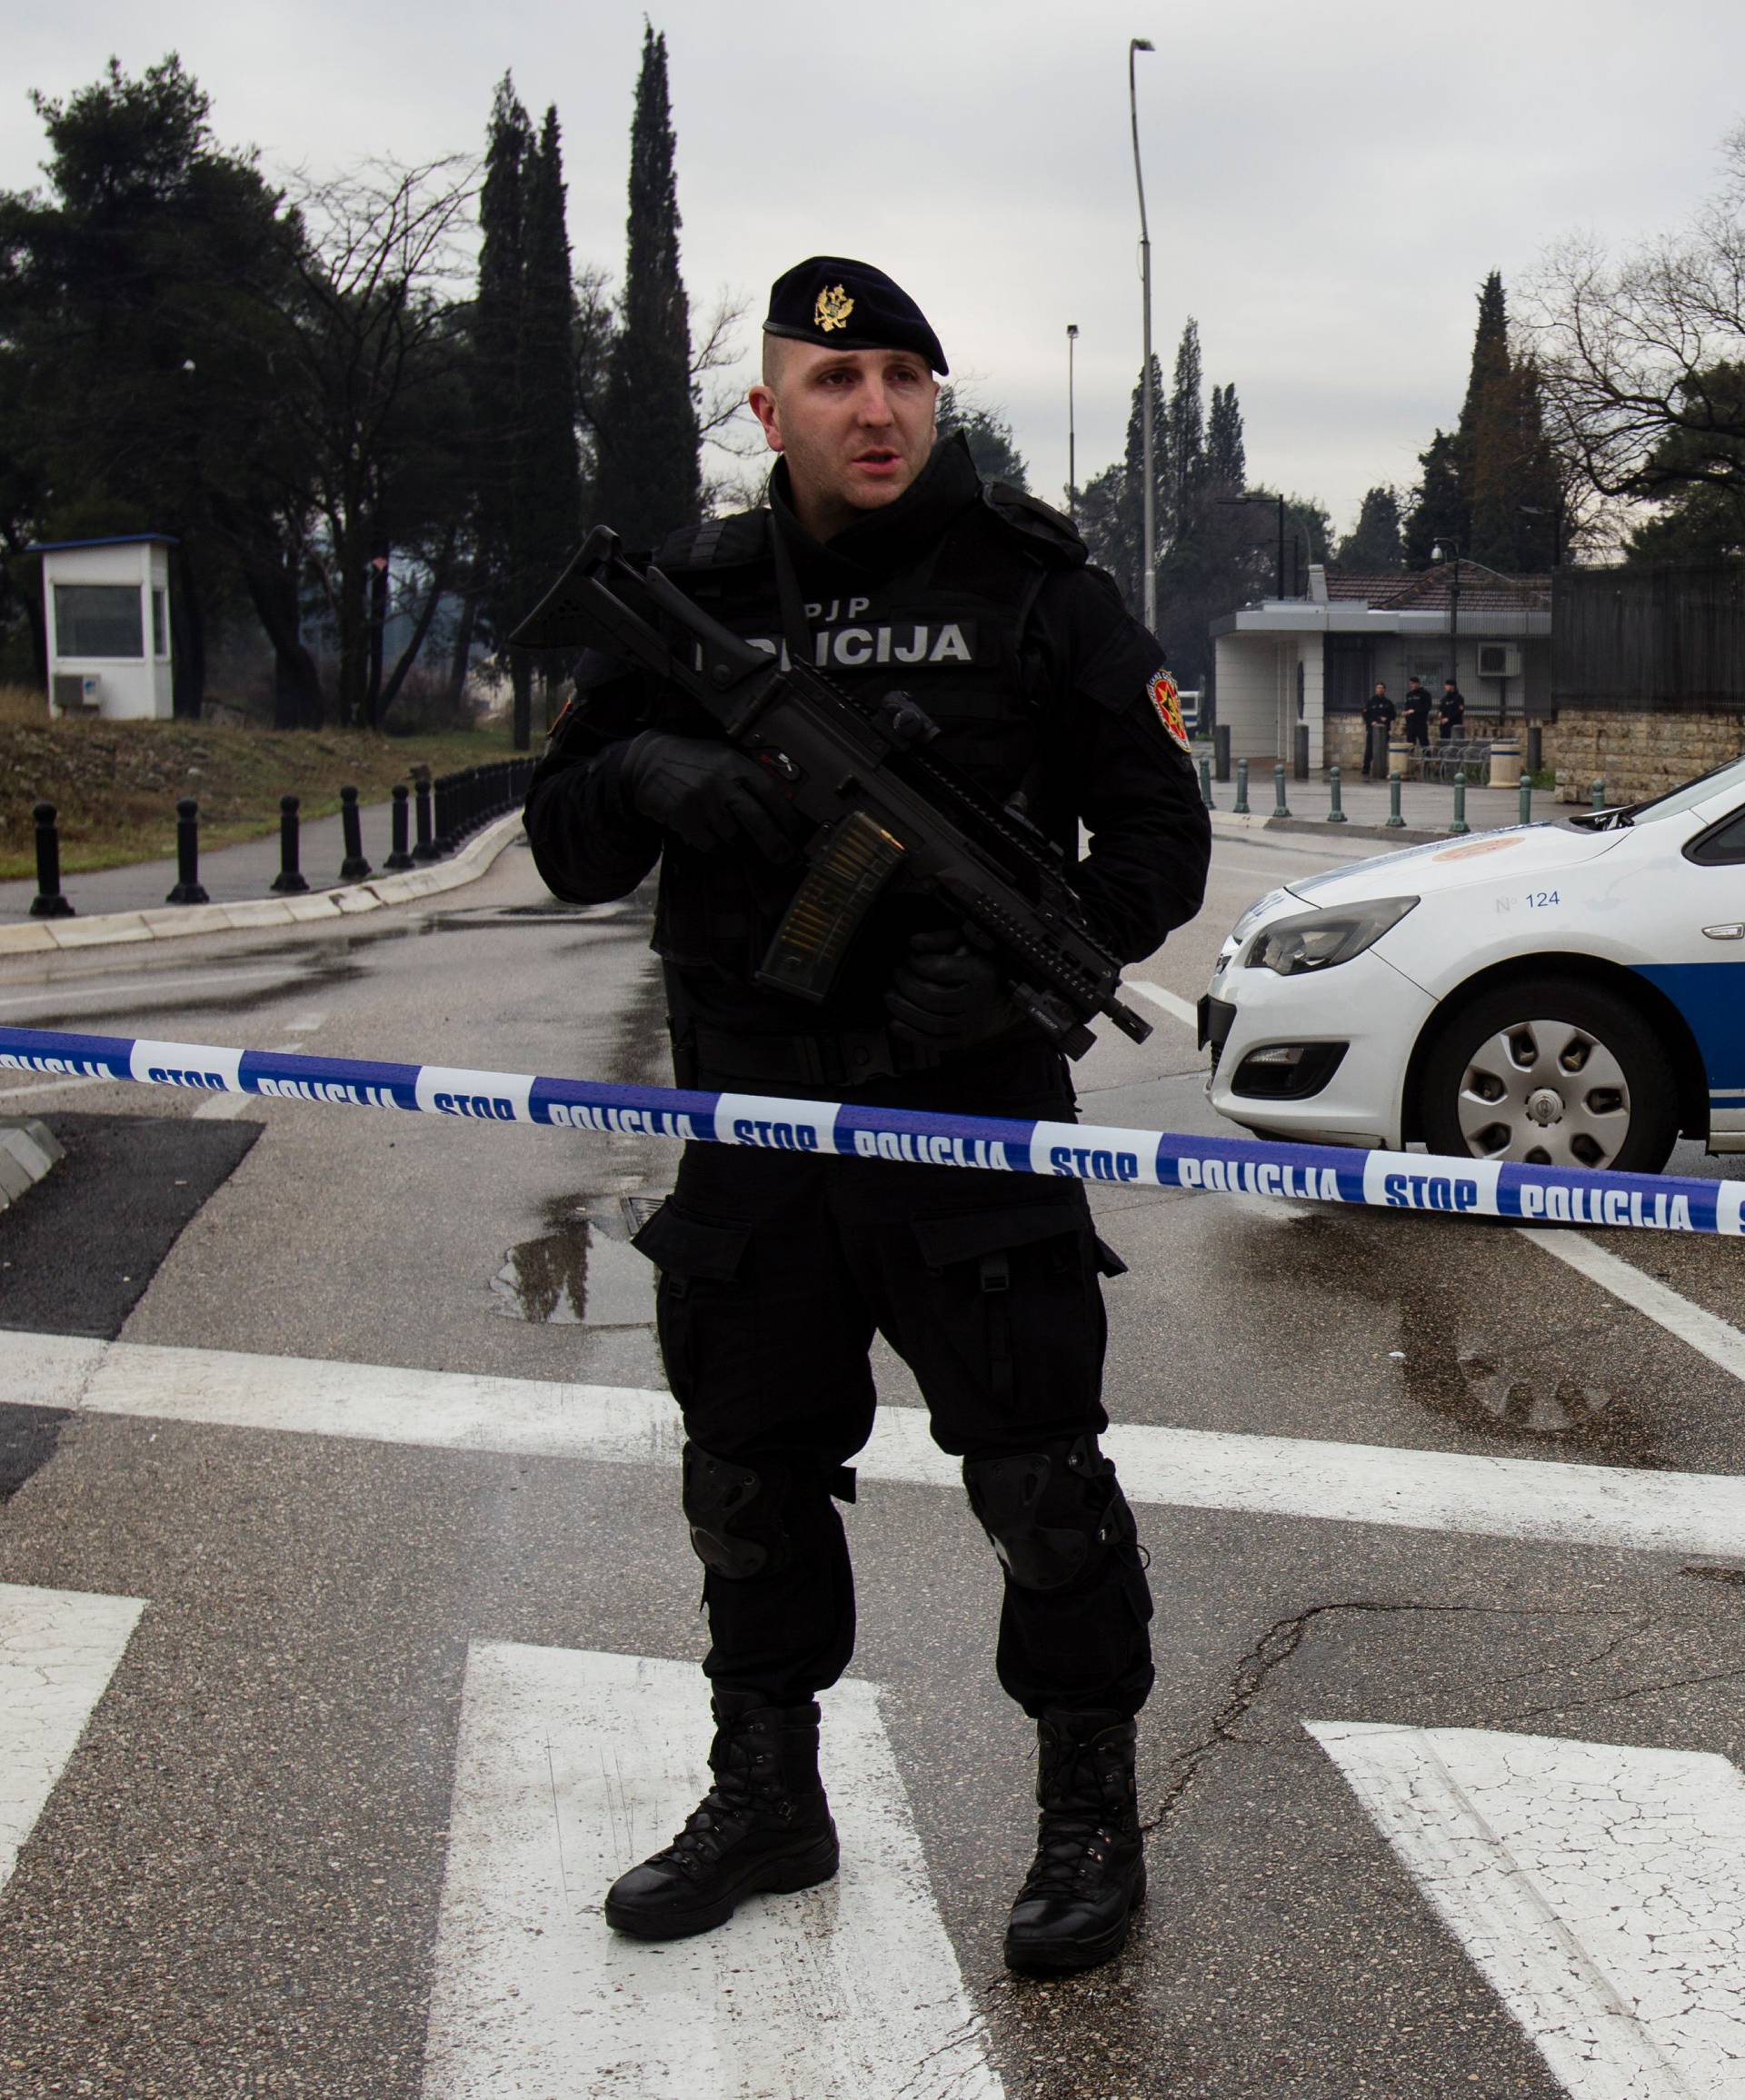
(764, 1824)
(1089, 1873)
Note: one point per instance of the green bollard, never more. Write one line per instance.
(1395, 822)
(1205, 783)
(1280, 808)
(1597, 795)
(1240, 808)
(1525, 816)
(1460, 827)
(1335, 807)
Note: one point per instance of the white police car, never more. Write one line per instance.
(1572, 995)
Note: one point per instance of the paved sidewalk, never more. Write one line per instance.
(229, 873)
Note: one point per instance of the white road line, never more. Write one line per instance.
(58, 1649)
(114, 991)
(1177, 1007)
(1705, 1332)
(1600, 1889)
(573, 1766)
(1536, 1498)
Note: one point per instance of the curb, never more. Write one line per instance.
(28, 1149)
(41, 936)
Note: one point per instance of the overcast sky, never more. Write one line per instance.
(1327, 186)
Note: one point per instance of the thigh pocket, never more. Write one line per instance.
(1016, 1304)
(703, 1299)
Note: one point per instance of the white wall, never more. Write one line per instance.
(1248, 693)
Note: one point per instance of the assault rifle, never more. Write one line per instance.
(883, 813)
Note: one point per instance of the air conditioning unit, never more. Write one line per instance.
(1499, 660)
(74, 694)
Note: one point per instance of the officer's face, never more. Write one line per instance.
(856, 425)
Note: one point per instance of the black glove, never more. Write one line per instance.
(709, 794)
(946, 993)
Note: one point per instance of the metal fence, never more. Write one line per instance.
(1670, 638)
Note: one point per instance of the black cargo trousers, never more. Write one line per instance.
(775, 1269)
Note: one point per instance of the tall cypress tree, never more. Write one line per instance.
(1124, 557)
(551, 508)
(1187, 449)
(500, 421)
(650, 474)
(1226, 455)
(1490, 367)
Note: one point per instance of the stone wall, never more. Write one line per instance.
(1637, 755)
(1343, 743)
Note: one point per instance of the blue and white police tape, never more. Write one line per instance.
(1077, 1152)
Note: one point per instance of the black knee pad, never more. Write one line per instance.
(738, 1525)
(1052, 1515)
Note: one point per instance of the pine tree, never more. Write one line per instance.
(1187, 445)
(1226, 456)
(500, 424)
(986, 432)
(1438, 514)
(650, 475)
(1374, 547)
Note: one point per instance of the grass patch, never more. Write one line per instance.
(115, 784)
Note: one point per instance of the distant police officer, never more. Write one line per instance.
(1417, 712)
(1378, 712)
(883, 558)
(1451, 715)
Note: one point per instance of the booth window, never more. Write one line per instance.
(98, 619)
(160, 637)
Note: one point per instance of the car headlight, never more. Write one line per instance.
(1256, 912)
(1319, 939)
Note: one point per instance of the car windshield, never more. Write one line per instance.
(1729, 776)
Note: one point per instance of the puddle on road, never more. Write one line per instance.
(584, 1272)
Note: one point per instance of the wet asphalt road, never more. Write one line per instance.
(233, 1889)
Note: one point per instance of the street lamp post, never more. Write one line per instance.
(1147, 438)
(1072, 440)
(1258, 499)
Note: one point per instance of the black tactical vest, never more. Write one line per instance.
(951, 632)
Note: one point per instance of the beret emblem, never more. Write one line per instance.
(832, 309)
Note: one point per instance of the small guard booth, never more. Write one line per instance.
(107, 604)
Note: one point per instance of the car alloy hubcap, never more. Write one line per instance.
(1545, 1091)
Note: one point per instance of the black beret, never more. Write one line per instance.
(847, 305)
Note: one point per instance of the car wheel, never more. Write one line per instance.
(1557, 1074)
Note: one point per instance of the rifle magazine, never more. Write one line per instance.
(856, 861)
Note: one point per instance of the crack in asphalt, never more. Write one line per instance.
(1282, 1640)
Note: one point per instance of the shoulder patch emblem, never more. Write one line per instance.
(1168, 704)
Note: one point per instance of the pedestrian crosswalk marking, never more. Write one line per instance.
(1534, 1499)
(1600, 1889)
(573, 1766)
(58, 1649)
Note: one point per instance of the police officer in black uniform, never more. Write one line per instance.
(883, 558)
(1451, 715)
(1378, 712)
